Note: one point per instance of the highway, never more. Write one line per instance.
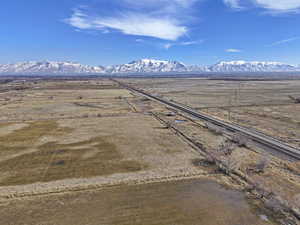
(256, 136)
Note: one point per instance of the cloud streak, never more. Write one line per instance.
(272, 6)
(184, 43)
(279, 5)
(160, 3)
(130, 24)
(162, 19)
(283, 41)
(233, 50)
(235, 4)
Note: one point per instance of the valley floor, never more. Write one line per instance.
(85, 151)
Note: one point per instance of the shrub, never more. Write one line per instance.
(231, 163)
(223, 158)
(215, 129)
(240, 140)
(275, 204)
(262, 164)
(296, 201)
(226, 148)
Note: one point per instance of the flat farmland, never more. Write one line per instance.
(67, 137)
(51, 150)
(185, 202)
(44, 102)
(262, 105)
(90, 152)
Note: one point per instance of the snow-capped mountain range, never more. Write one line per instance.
(142, 66)
(244, 66)
(148, 66)
(47, 67)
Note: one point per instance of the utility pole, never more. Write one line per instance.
(240, 87)
(229, 108)
(236, 97)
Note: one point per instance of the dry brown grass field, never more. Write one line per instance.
(185, 202)
(262, 105)
(90, 152)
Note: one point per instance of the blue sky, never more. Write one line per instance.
(106, 32)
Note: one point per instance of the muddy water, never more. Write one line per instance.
(185, 202)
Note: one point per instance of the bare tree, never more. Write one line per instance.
(296, 201)
(226, 148)
(296, 100)
(240, 140)
(275, 204)
(215, 129)
(224, 159)
(262, 164)
(231, 163)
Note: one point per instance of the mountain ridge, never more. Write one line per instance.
(141, 66)
(148, 66)
(49, 67)
(252, 66)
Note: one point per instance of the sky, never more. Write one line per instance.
(108, 32)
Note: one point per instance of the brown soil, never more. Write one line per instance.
(56, 161)
(182, 202)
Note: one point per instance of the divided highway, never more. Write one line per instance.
(255, 136)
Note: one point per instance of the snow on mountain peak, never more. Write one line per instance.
(49, 67)
(251, 66)
(141, 66)
(148, 66)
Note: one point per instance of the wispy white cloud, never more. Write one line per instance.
(184, 43)
(272, 6)
(131, 24)
(279, 5)
(168, 45)
(233, 50)
(139, 40)
(160, 3)
(192, 42)
(235, 4)
(79, 20)
(283, 41)
(161, 19)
